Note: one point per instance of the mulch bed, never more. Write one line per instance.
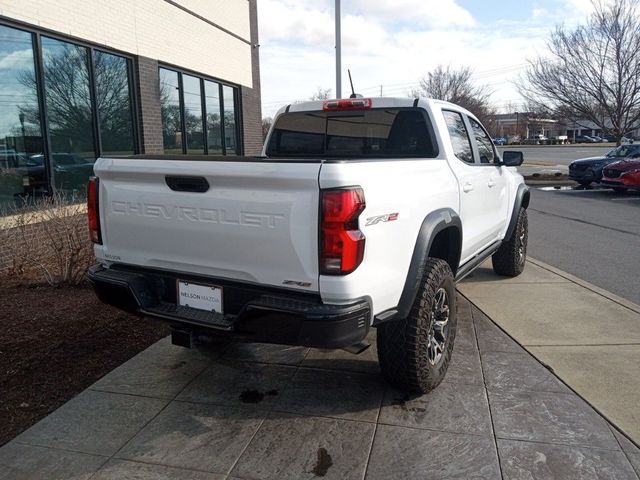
(54, 343)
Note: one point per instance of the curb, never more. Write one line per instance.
(559, 182)
(589, 286)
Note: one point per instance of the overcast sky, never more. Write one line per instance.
(393, 43)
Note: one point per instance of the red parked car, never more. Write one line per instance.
(622, 175)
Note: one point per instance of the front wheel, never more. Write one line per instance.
(510, 258)
(414, 352)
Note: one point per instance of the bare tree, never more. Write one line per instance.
(456, 86)
(594, 71)
(66, 80)
(321, 94)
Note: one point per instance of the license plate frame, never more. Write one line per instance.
(205, 297)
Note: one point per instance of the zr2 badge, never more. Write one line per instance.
(389, 217)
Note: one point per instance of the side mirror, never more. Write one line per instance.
(512, 159)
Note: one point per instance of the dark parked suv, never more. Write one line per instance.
(587, 170)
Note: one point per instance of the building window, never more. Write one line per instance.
(69, 112)
(170, 111)
(20, 128)
(230, 130)
(193, 114)
(113, 98)
(196, 125)
(214, 126)
(53, 125)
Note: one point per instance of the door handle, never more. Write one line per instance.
(491, 183)
(182, 183)
(467, 187)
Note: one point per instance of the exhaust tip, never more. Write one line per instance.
(357, 348)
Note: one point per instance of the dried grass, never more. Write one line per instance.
(47, 242)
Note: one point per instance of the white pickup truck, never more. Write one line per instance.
(360, 213)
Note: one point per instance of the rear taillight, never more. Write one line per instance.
(341, 242)
(92, 211)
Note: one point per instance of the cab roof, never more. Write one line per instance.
(376, 102)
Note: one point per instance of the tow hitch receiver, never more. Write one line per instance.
(182, 338)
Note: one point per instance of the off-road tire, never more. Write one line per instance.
(402, 343)
(510, 258)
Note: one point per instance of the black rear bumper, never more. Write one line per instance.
(252, 313)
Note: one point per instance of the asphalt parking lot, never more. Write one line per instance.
(591, 233)
(558, 154)
(273, 412)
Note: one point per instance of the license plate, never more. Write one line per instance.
(202, 297)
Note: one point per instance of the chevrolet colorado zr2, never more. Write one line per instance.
(360, 213)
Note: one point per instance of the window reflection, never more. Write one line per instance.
(68, 101)
(192, 99)
(67, 90)
(113, 98)
(485, 146)
(182, 111)
(459, 136)
(170, 111)
(20, 130)
(214, 127)
(230, 132)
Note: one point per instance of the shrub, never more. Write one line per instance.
(48, 241)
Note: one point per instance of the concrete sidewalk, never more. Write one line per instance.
(589, 337)
(263, 412)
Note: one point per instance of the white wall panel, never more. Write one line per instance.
(153, 28)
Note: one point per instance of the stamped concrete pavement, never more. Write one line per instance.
(274, 412)
(589, 337)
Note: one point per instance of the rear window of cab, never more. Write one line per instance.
(372, 133)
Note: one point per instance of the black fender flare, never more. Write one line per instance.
(434, 223)
(521, 201)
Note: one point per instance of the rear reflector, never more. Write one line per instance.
(341, 242)
(347, 104)
(93, 213)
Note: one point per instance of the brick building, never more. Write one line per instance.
(83, 79)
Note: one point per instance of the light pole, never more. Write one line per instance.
(338, 53)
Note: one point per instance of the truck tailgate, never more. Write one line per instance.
(257, 221)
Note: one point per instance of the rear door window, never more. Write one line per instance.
(382, 132)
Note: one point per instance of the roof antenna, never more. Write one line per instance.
(353, 92)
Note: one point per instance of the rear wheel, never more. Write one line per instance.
(510, 258)
(414, 352)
